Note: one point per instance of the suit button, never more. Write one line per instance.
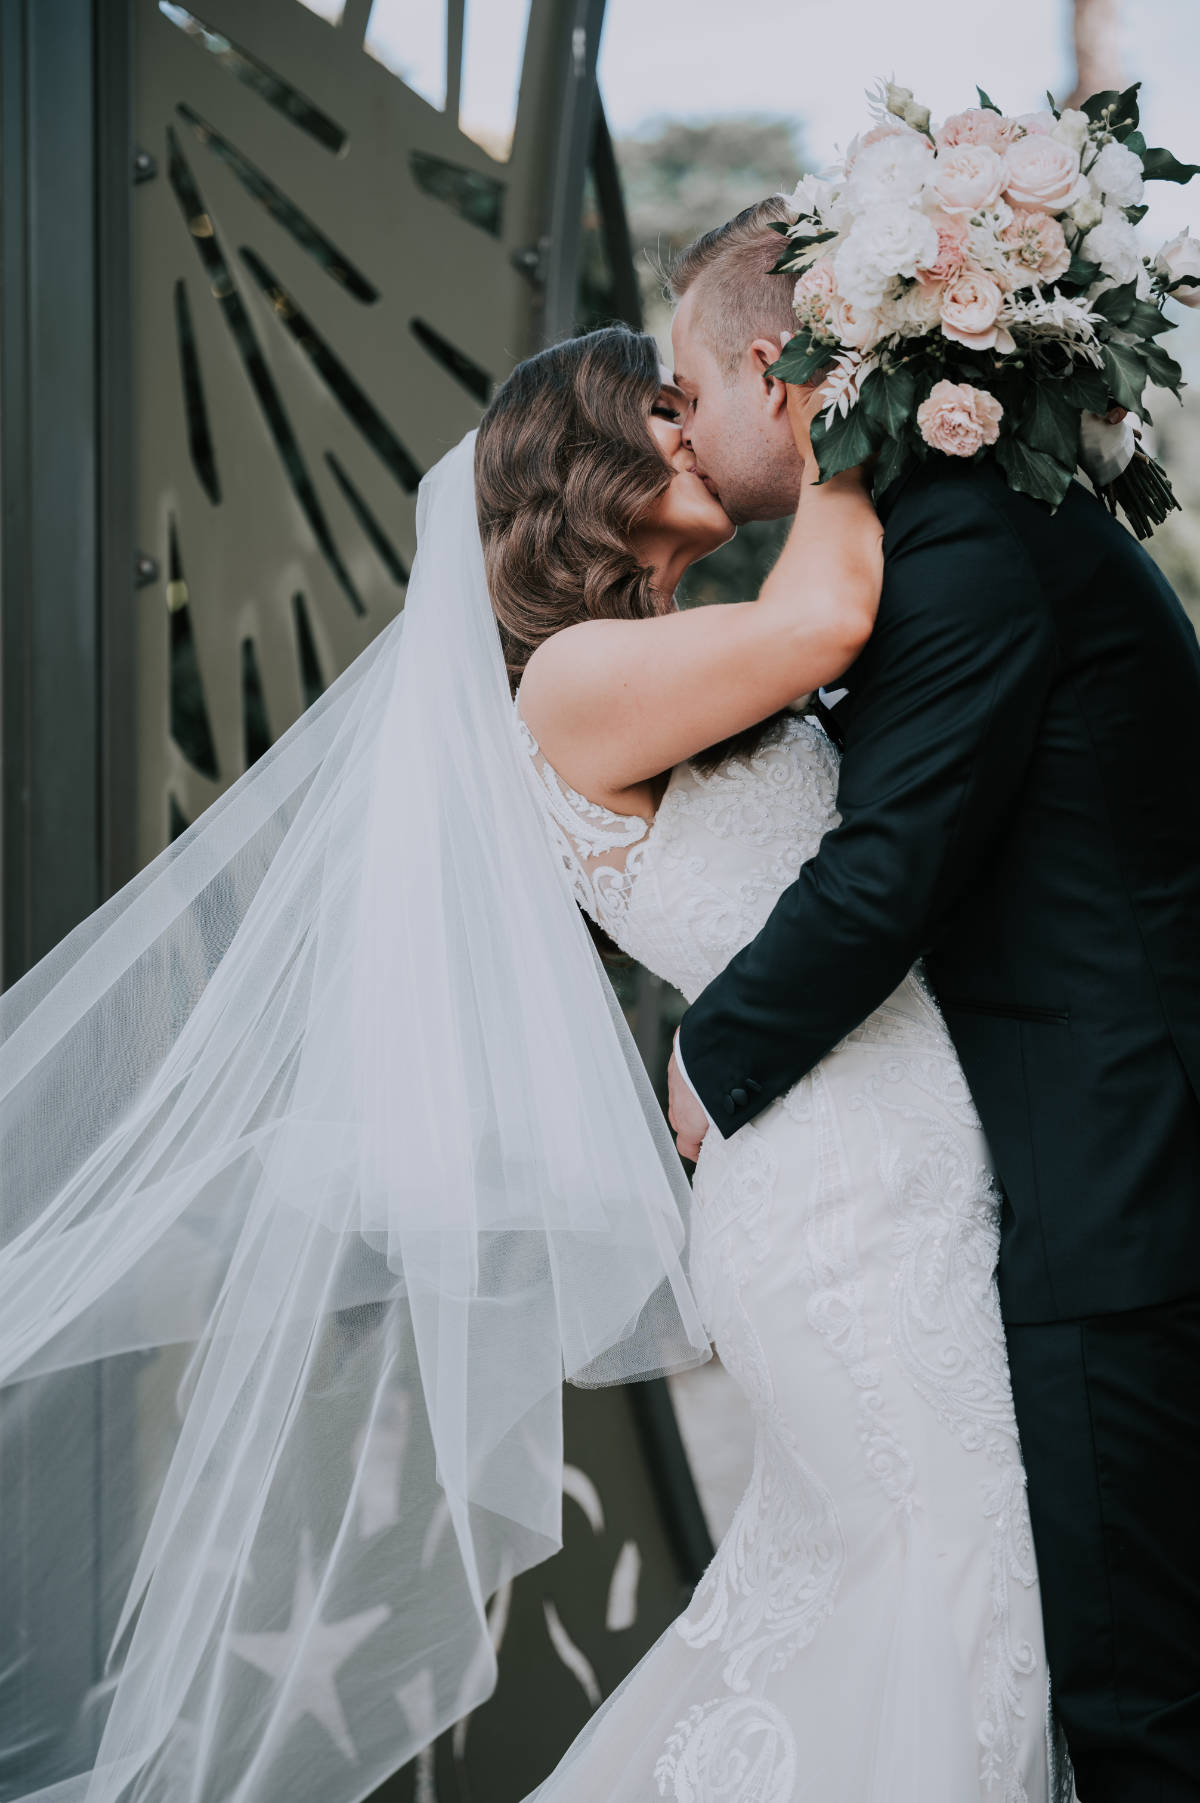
(739, 1096)
(754, 1088)
(729, 1104)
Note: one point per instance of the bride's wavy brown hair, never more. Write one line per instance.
(565, 469)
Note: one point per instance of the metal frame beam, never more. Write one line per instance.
(65, 462)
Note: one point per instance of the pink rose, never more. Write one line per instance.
(1038, 248)
(814, 295)
(1041, 172)
(971, 305)
(959, 419)
(952, 237)
(978, 125)
(968, 178)
(1040, 124)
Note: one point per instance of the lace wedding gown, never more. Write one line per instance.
(868, 1630)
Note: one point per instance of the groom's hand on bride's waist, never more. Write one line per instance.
(686, 1112)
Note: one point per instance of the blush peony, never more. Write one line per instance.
(968, 178)
(856, 327)
(959, 419)
(970, 307)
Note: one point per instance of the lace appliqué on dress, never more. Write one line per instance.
(598, 848)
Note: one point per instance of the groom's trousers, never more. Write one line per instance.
(1109, 1415)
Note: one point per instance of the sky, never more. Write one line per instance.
(814, 58)
(811, 59)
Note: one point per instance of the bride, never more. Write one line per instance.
(327, 1156)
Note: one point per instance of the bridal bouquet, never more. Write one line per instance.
(979, 288)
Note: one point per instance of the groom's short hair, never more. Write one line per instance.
(737, 297)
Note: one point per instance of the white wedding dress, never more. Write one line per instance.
(869, 1628)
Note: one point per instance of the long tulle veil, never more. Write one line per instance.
(325, 1149)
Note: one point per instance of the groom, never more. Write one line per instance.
(1020, 808)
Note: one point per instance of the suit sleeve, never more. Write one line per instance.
(947, 700)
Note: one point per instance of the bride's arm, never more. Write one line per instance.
(615, 702)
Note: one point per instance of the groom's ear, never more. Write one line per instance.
(764, 352)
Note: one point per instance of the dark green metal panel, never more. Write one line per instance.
(252, 286)
(48, 401)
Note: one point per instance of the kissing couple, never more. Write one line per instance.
(333, 1104)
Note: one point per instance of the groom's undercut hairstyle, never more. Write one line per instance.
(737, 299)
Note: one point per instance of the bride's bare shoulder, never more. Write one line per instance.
(570, 673)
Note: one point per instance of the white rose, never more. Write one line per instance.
(1117, 173)
(1113, 245)
(1072, 128)
(896, 167)
(1178, 258)
(859, 278)
(886, 241)
(914, 311)
(1087, 213)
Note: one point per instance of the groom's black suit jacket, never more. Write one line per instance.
(1020, 807)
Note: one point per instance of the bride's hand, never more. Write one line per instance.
(804, 401)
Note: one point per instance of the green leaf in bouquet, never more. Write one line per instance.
(1134, 141)
(1052, 103)
(1082, 273)
(1086, 389)
(1135, 215)
(1032, 472)
(888, 396)
(1051, 423)
(801, 358)
(1148, 321)
(1163, 370)
(896, 455)
(1095, 104)
(796, 248)
(841, 442)
(1116, 304)
(1161, 166)
(1126, 117)
(1125, 372)
(986, 101)
(778, 225)
(1121, 107)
